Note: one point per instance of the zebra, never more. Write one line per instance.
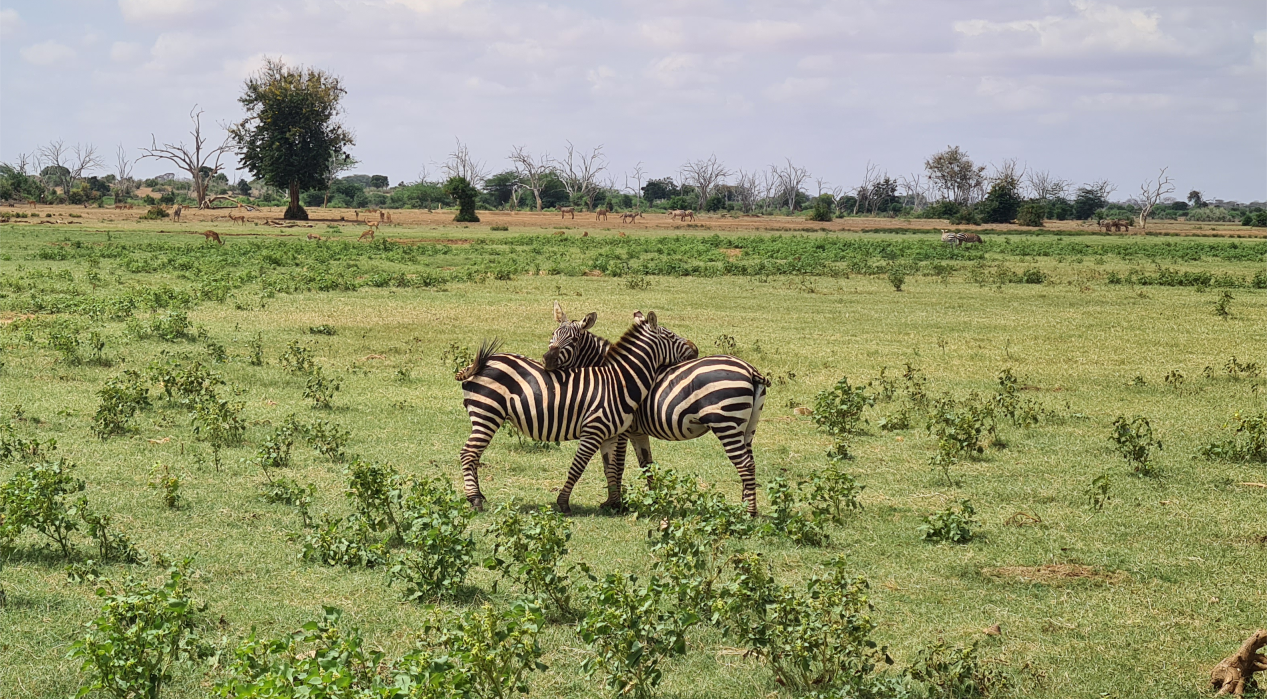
(590, 404)
(719, 394)
(957, 238)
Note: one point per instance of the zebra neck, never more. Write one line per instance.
(633, 364)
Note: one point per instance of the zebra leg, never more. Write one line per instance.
(584, 452)
(613, 451)
(739, 451)
(482, 432)
(642, 446)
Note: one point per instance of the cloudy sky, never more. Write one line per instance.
(1087, 90)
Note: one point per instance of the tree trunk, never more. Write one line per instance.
(295, 212)
(537, 193)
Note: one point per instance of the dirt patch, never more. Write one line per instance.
(1056, 574)
(5, 319)
(732, 253)
(448, 241)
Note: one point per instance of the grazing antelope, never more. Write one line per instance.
(601, 214)
(388, 216)
(209, 236)
(367, 235)
(688, 214)
(31, 202)
(560, 232)
(372, 224)
(567, 211)
(313, 236)
(675, 214)
(120, 206)
(240, 218)
(630, 216)
(621, 234)
(176, 213)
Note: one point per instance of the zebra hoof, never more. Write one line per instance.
(564, 506)
(477, 504)
(616, 506)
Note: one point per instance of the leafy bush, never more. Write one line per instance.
(463, 193)
(320, 389)
(36, 498)
(1222, 307)
(320, 661)
(256, 347)
(1031, 214)
(1010, 404)
(1098, 493)
(822, 208)
(897, 277)
(186, 382)
(788, 519)
(438, 550)
(833, 493)
(167, 484)
(122, 397)
(1032, 275)
(141, 636)
(1248, 442)
(528, 550)
(953, 524)
(328, 439)
(959, 427)
(630, 632)
(838, 411)
(155, 213)
(496, 649)
(218, 421)
(670, 496)
(966, 216)
(457, 357)
(298, 359)
(323, 329)
(171, 325)
(1135, 442)
(819, 640)
(955, 673)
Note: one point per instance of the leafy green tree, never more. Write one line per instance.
(379, 182)
(1196, 199)
(1087, 202)
(291, 137)
(463, 193)
(656, 190)
(244, 188)
(822, 208)
(1032, 213)
(1002, 203)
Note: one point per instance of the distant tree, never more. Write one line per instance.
(463, 193)
(704, 175)
(1195, 199)
(955, 175)
(822, 208)
(291, 135)
(197, 160)
(534, 173)
(581, 173)
(501, 187)
(660, 189)
(123, 168)
(379, 181)
(461, 164)
(1150, 195)
(1003, 202)
(67, 164)
(244, 188)
(1091, 198)
(788, 183)
(636, 190)
(339, 162)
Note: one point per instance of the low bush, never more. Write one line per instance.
(528, 550)
(1248, 442)
(497, 649)
(437, 551)
(155, 213)
(838, 411)
(122, 397)
(956, 673)
(953, 524)
(1135, 442)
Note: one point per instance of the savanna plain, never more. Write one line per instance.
(1105, 576)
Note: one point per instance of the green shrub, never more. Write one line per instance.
(320, 661)
(256, 347)
(528, 550)
(953, 524)
(496, 649)
(897, 277)
(819, 640)
(155, 213)
(1009, 403)
(833, 493)
(121, 398)
(788, 519)
(838, 411)
(328, 439)
(960, 428)
(1098, 493)
(437, 551)
(1135, 442)
(171, 325)
(1248, 442)
(965, 216)
(324, 329)
(499, 228)
(822, 208)
(955, 673)
(669, 496)
(218, 421)
(167, 484)
(463, 193)
(320, 389)
(1032, 275)
(298, 359)
(457, 357)
(35, 498)
(1031, 214)
(1222, 307)
(141, 636)
(630, 632)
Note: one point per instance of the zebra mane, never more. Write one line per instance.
(487, 349)
(614, 348)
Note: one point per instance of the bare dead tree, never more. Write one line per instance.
(638, 174)
(123, 173)
(192, 159)
(1010, 170)
(1151, 193)
(1102, 187)
(1041, 184)
(532, 171)
(53, 159)
(769, 190)
(516, 190)
(704, 175)
(748, 190)
(788, 182)
(916, 191)
(580, 173)
(24, 161)
(862, 194)
(461, 164)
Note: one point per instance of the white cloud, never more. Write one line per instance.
(1011, 95)
(125, 51)
(797, 89)
(47, 53)
(1120, 102)
(10, 22)
(159, 10)
(679, 70)
(1093, 26)
(427, 6)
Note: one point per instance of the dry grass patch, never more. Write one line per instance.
(1056, 574)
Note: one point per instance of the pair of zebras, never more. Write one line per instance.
(957, 238)
(649, 383)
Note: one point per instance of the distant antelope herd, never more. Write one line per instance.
(681, 215)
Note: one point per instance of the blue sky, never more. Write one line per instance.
(1085, 90)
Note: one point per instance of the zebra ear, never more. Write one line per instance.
(651, 319)
(559, 315)
(588, 321)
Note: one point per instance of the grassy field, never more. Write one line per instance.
(1140, 599)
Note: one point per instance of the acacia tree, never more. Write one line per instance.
(339, 162)
(291, 135)
(69, 163)
(954, 174)
(1150, 194)
(200, 162)
(704, 175)
(533, 172)
(461, 164)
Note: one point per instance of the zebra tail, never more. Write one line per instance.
(759, 378)
(487, 349)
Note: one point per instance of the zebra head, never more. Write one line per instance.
(572, 344)
(662, 345)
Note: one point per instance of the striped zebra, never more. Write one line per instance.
(957, 238)
(590, 404)
(719, 394)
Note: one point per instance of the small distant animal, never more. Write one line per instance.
(585, 234)
(621, 234)
(31, 202)
(560, 232)
(387, 216)
(372, 224)
(313, 236)
(688, 214)
(630, 216)
(367, 235)
(958, 238)
(601, 214)
(120, 206)
(176, 213)
(567, 211)
(212, 235)
(675, 214)
(239, 218)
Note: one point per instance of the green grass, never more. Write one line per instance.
(1183, 554)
